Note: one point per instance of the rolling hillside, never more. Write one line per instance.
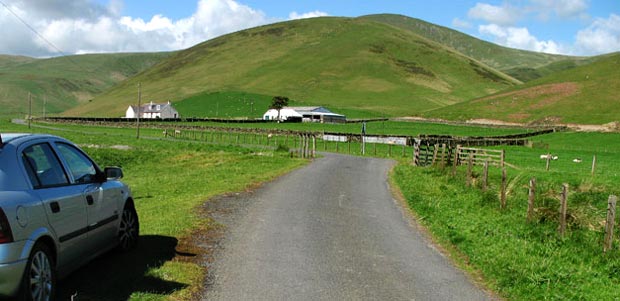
(64, 82)
(338, 62)
(586, 95)
(520, 64)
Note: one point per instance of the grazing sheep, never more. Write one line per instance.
(577, 160)
(549, 156)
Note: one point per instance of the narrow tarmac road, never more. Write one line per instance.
(331, 231)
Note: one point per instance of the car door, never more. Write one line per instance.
(100, 197)
(63, 203)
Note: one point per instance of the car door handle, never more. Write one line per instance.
(55, 207)
(89, 199)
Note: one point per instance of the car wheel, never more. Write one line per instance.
(129, 229)
(39, 281)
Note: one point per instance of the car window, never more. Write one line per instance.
(43, 167)
(82, 168)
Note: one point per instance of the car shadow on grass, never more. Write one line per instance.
(116, 275)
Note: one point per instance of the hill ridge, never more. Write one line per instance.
(337, 61)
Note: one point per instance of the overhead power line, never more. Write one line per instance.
(32, 28)
(68, 57)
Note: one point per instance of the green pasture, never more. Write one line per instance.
(528, 260)
(247, 106)
(517, 259)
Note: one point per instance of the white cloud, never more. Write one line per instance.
(501, 15)
(294, 15)
(562, 8)
(458, 23)
(83, 26)
(520, 38)
(602, 36)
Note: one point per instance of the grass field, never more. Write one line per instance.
(170, 181)
(517, 259)
(246, 105)
(521, 260)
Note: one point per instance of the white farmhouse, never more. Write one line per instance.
(305, 114)
(153, 111)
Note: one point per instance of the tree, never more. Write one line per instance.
(279, 102)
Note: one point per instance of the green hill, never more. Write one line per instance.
(64, 82)
(586, 94)
(337, 62)
(520, 64)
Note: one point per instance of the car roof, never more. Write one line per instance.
(7, 138)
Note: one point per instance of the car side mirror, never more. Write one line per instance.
(113, 173)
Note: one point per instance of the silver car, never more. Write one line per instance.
(58, 210)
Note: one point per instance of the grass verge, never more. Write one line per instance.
(519, 260)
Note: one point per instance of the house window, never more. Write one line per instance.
(158, 107)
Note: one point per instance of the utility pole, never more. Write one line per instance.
(364, 138)
(138, 111)
(29, 109)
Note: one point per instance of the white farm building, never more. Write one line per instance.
(305, 114)
(153, 111)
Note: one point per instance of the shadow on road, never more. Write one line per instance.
(116, 275)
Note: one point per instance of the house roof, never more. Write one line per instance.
(152, 107)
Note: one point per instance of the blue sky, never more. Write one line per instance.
(575, 27)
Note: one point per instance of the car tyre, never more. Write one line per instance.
(39, 280)
(129, 229)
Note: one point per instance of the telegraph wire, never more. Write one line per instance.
(63, 54)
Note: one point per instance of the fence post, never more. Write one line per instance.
(416, 153)
(442, 163)
(563, 209)
(390, 150)
(502, 158)
(456, 159)
(593, 164)
(531, 197)
(313, 146)
(548, 161)
(503, 189)
(349, 145)
(485, 175)
(435, 151)
(609, 225)
(470, 163)
(374, 146)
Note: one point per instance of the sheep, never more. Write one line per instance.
(548, 156)
(577, 160)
